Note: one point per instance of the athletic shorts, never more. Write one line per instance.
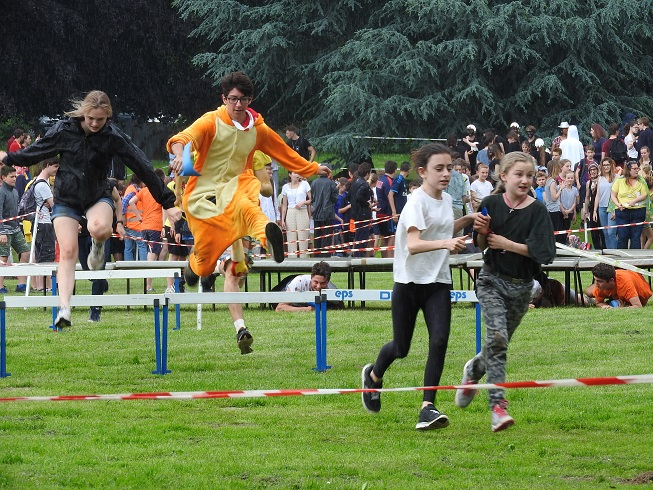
(153, 240)
(15, 241)
(179, 249)
(76, 213)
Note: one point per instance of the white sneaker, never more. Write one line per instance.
(170, 289)
(465, 396)
(63, 318)
(96, 256)
(500, 418)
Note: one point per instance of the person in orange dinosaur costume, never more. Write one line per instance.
(222, 204)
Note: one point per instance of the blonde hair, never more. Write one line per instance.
(95, 99)
(507, 162)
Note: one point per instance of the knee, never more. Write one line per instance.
(99, 230)
(401, 351)
(67, 253)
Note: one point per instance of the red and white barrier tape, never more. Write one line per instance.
(192, 395)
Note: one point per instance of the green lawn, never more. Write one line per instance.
(563, 438)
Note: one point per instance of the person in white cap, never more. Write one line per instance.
(564, 127)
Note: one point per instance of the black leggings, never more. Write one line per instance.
(435, 302)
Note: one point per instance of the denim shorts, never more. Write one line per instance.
(78, 214)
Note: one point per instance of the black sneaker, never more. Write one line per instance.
(94, 314)
(244, 340)
(274, 238)
(430, 418)
(371, 399)
(190, 277)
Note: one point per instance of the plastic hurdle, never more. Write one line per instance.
(457, 296)
(253, 297)
(160, 335)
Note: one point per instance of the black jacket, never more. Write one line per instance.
(84, 162)
(361, 195)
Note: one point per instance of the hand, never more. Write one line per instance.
(3, 239)
(2, 154)
(283, 225)
(174, 214)
(482, 224)
(395, 218)
(456, 245)
(324, 170)
(176, 164)
(177, 237)
(497, 242)
(299, 205)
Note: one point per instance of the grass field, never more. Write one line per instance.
(563, 438)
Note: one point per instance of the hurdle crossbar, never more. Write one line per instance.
(160, 335)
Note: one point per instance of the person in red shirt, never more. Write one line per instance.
(628, 288)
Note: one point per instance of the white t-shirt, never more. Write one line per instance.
(43, 192)
(482, 189)
(632, 151)
(296, 195)
(434, 218)
(302, 284)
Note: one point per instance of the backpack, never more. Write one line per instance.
(618, 151)
(27, 203)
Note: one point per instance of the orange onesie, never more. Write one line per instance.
(222, 204)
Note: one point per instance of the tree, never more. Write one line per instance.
(138, 52)
(423, 68)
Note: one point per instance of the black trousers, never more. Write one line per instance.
(435, 302)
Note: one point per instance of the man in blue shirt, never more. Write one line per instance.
(398, 194)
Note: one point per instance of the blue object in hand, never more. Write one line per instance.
(187, 167)
(484, 211)
(614, 303)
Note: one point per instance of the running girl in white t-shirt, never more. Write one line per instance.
(423, 241)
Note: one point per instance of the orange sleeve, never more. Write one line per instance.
(271, 143)
(201, 131)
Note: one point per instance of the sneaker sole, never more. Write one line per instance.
(62, 323)
(440, 423)
(503, 425)
(274, 239)
(363, 394)
(245, 344)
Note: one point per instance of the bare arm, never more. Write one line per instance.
(416, 245)
(289, 307)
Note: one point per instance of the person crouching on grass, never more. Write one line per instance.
(86, 142)
(517, 237)
(422, 280)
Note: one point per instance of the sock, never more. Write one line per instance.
(240, 323)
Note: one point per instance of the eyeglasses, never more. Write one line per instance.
(234, 100)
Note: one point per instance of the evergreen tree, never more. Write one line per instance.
(137, 51)
(422, 68)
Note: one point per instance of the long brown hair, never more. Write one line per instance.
(611, 172)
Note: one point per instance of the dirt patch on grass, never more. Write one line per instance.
(641, 479)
